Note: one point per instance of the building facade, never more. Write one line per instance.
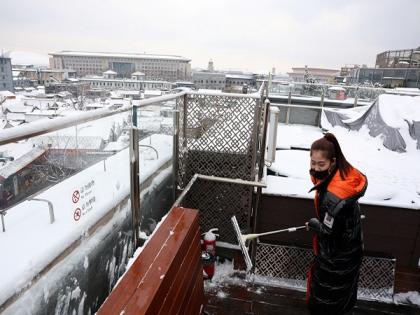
(240, 80)
(209, 80)
(387, 77)
(6, 77)
(42, 76)
(319, 74)
(126, 84)
(393, 68)
(155, 67)
(403, 58)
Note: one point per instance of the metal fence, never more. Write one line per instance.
(220, 135)
(288, 266)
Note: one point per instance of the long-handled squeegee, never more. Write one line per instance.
(243, 237)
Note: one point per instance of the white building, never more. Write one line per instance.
(126, 84)
(155, 67)
(209, 80)
(319, 74)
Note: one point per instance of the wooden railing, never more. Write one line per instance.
(167, 276)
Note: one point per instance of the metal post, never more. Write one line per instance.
(322, 107)
(184, 122)
(289, 102)
(134, 177)
(272, 134)
(175, 151)
(2, 221)
(260, 175)
(356, 96)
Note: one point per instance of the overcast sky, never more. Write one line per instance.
(236, 34)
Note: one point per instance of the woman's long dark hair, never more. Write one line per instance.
(329, 144)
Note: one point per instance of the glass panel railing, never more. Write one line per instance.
(314, 91)
(72, 159)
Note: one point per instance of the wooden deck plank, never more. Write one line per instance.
(253, 299)
(165, 273)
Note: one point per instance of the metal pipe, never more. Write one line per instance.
(260, 175)
(215, 179)
(185, 191)
(272, 134)
(232, 181)
(184, 122)
(216, 93)
(175, 152)
(356, 96)
(150, 147)
(295, 106)
(2, 221)
(50, 208)
(134, 178)
(38, 128)
(289, 102)
(160, 99)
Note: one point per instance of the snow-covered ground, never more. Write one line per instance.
(394, 178)
(30, 242)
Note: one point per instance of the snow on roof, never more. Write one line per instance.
(110, 72)
(138, 73)
(119, 55)
(397, 109)
(152, 92)
(336, 88)
(394, 178)
(240, 76)
(4, 94)
(16, 165)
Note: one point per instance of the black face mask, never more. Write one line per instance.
(319, 174)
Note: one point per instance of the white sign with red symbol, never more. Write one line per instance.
(86, 197)
(77, 214)
(76, 196)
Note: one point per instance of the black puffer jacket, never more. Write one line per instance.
(338, 243)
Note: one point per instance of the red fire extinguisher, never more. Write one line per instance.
(208, 254)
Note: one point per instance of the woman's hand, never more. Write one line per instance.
(307, 226)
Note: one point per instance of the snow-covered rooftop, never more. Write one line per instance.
(16, 165)
(138, 73)
(394, 177)
(110, 72)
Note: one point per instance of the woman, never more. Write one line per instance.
(337, 243)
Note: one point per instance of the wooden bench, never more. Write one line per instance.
(167, 276)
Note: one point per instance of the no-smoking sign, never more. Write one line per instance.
(77, 214)
(76, 196)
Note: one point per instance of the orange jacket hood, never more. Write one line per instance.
(352, 184)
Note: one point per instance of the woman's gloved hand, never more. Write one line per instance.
(313, 225)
